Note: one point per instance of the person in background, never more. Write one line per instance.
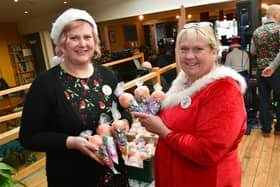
(166, 57)
(266, 46)
(269, 70)
(238, 59)
(222, 58)
(203, 117)
(147, 65)
(148, 68)
(67, 100)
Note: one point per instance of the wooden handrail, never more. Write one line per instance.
(9, 136)
(143, 78)
(167, 68)
(15, 89)
(141, 56)
(13, 115)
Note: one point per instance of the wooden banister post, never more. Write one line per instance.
(181, 24)
(156, 69)
(142, 58)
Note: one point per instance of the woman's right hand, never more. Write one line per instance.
(83, 145)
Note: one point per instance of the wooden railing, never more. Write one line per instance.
(139, 56)
(153, 75)
(13, 133)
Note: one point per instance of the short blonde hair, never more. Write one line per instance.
(193, 33)
(74, 24)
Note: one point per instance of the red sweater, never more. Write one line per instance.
(202, 149)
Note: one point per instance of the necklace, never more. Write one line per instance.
(77, 71)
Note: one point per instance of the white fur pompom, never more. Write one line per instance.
(56, 60)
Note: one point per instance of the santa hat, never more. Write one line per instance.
(235, 42)
(68, 16)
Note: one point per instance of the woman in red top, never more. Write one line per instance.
(203, 117)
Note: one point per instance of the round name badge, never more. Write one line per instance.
(185, 102)
(107, 90)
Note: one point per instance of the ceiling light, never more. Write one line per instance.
(65, 2)
(15, 1)
(141, 17)
(26, 12)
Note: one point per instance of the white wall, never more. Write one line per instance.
(114, 9)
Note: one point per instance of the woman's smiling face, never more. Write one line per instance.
(197, 58)
(79, 45)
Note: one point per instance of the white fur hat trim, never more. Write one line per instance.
(66, 17)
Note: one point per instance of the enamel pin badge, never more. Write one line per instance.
(107, 90)
(185, 102)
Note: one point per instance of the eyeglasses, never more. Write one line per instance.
(198, 24)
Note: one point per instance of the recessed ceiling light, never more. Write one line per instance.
(65, 2)
(26, 12)
(15, 1)
(141, 17)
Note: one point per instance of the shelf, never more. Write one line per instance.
(22, 63)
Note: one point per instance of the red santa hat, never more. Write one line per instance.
(235, 42)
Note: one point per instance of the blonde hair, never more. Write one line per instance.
(74, 24)
(193, 33)
(273, 11)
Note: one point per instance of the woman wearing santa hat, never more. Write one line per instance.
(66, 101)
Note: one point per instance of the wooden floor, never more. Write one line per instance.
(260, 160)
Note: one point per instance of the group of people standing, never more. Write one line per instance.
(200, 124)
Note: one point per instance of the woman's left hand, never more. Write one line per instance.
(152, 123)
(83, 145)
(268, 71)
